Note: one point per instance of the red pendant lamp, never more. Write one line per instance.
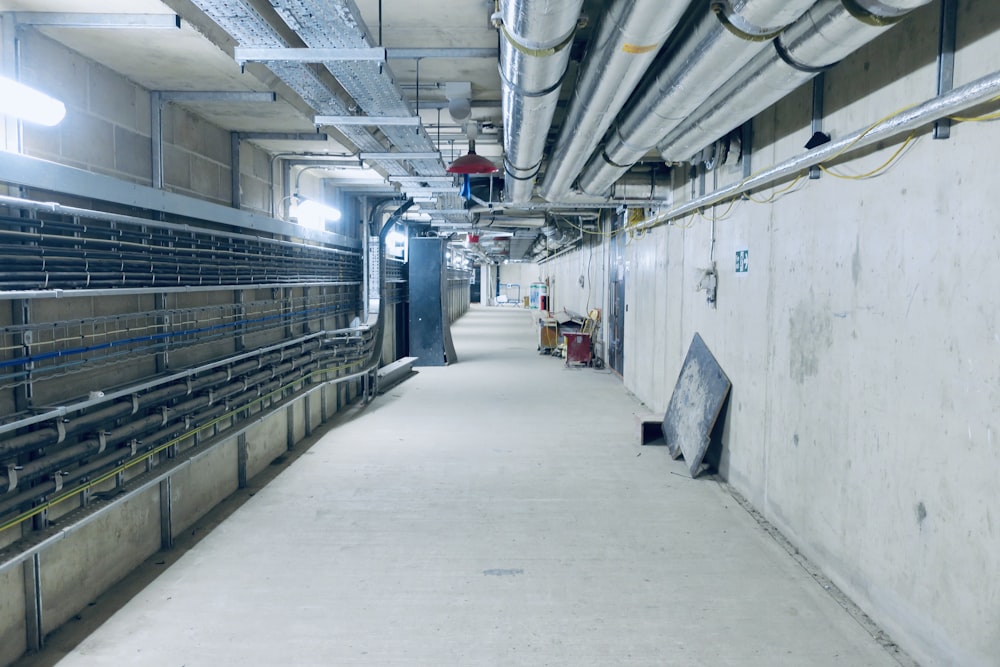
(470, 163)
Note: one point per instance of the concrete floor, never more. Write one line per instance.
(499, 511)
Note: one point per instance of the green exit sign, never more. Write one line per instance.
(742, 261)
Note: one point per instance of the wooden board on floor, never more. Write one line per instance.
(694, 407)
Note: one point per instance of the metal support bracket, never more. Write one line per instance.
(102, 21)
(244, 55)
(946, 61)
(819, 88)
(11, 477)
(368, 121)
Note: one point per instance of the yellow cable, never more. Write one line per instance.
(775, 193)
(878, 170)
(976, 119)
(35, 511)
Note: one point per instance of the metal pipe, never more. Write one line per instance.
(826, 34)
(957, 101)
(642, 187)
(536, 36)
(716, 44)
(231, 391)
(620, 51)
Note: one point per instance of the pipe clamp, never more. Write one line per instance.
(873, 12)
(740, 27)
(790, 60)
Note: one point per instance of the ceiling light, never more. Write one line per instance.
(470, 163)
(28, 104)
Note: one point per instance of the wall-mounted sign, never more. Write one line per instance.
(742, 261)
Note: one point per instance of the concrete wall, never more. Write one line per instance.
(863, 344)
(564, 274)
(82, 566)
(13, 633)
(522, 274)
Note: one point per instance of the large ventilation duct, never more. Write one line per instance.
(536, 36)
(830, 31)
(718, 43)
(620, 51)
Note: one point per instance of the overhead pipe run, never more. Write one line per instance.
(621, 50)
(957, 101)
(536, 36)
(718, 42)
(649, 187)
(826, 34)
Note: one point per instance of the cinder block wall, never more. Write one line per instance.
(862, 344)
(107, 130)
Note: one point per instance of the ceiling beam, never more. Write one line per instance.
(104, 21)
(421, 179)
(225, 96)
(342, 121)
(244, 55)
(401, 156)
(284, 136)
(447, 52)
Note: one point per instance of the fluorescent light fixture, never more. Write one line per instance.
(28, 104)
(395, 243)
(311, 213)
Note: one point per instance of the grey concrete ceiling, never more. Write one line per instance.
(198, 56)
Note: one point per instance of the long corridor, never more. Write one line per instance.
(498, 511)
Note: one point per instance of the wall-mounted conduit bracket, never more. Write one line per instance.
(946, 60)
(819, 88)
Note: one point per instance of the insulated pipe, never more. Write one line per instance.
(536, 36)
(238, 392)
(642, 187)
(619, 53)
(717, 43)
(51, 436)
(954, 102)
(829, 32)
